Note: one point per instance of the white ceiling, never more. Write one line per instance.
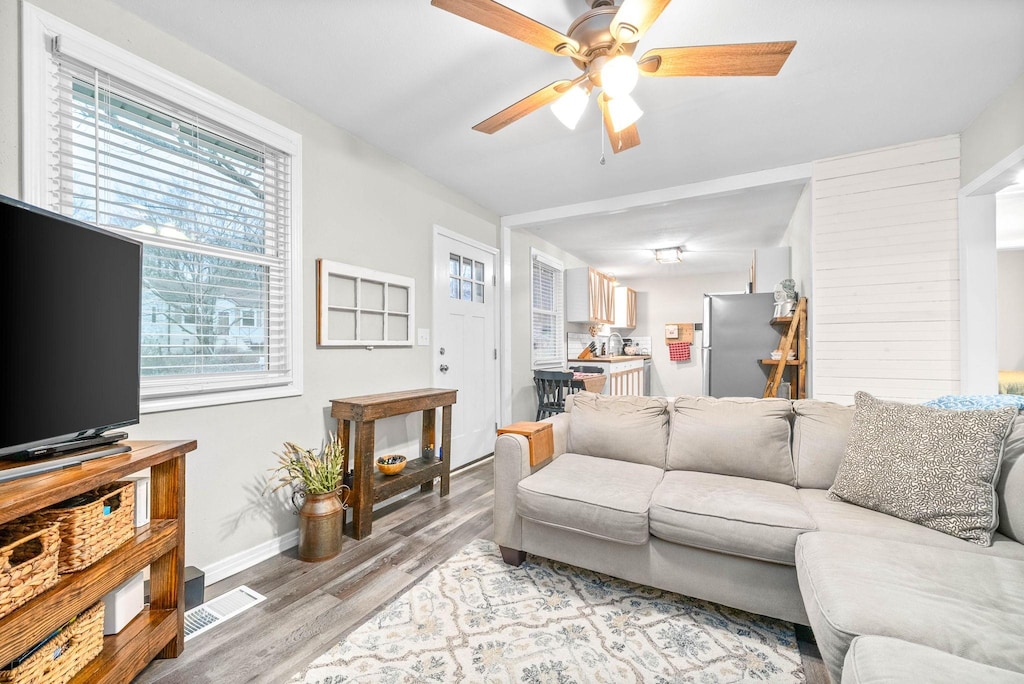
(412, 80)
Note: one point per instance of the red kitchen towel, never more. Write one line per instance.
(679, 351)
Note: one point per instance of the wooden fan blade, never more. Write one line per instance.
(742, 59)
(504, 20)
(527, 105)
(634, 18)
(623, 140)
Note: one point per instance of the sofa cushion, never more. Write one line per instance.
(598, 497)
(838, 516)
(931, 466)
(735, 436)
(970, 604)
(882, 660)
(735, 515)
(633, 429)
(1010, 488)
(820, 431)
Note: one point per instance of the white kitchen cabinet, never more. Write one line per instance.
(589, 296)
(625, 307)
(626, 378)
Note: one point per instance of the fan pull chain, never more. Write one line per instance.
(600, 132)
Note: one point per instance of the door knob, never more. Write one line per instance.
(444, 368)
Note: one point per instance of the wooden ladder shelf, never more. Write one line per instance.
(793, 339)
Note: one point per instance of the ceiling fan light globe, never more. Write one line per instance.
(569, 107)
(624, 112)
(619, 76)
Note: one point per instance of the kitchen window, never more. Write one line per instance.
(547, 311)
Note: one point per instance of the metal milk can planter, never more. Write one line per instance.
(321, 519)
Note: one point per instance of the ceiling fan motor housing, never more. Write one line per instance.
(592, 30)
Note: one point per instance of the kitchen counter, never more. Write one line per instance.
(626, 374)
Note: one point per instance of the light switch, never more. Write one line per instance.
(423, 337)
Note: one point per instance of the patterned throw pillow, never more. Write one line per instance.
(933, 467)
(962, 402)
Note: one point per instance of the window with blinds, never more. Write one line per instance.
(547, 306)
(212, 207)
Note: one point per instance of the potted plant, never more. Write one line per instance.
(316, 479)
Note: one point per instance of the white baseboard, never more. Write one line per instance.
(222, 569)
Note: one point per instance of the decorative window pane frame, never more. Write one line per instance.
(39, 31)
(348, 315)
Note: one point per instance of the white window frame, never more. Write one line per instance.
(39, 28)
(539, 257)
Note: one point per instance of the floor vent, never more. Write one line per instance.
(215, 611)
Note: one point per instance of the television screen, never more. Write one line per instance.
(69, 328)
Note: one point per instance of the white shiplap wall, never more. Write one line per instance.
(886, 274)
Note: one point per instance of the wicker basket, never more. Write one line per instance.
(87, 533)
(63, 655)
(28, 561)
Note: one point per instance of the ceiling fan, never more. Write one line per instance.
(601, 42)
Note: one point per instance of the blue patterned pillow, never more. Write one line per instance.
(966, 402)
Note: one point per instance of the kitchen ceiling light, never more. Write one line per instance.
(624, 112)
(669, 255)
(619, 76)
(569, 108)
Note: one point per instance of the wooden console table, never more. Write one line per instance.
(369, 486)
(158, 631)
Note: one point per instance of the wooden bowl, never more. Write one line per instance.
(391, 464)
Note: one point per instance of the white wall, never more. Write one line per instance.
(360, 206)
(524, 397)
(994, 134)
(886, 272)
(677, 300)
(1011, 314)
(798, 238)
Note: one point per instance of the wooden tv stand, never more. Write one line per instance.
(158, 631)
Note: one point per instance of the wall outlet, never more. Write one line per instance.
(423, 337)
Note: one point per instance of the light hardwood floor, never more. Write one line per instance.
(312, 606)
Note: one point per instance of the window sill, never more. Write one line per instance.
(160, 404)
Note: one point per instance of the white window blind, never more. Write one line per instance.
(212, 207)
(547, 307)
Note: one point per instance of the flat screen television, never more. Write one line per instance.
(70, 298)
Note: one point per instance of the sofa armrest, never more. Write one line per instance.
(512, 464)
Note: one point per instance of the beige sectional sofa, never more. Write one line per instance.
(726, 500)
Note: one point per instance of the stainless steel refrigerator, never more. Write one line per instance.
(737, 333)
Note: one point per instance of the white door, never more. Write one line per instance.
(464, 341)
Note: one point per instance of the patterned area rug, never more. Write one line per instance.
(475, 619)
